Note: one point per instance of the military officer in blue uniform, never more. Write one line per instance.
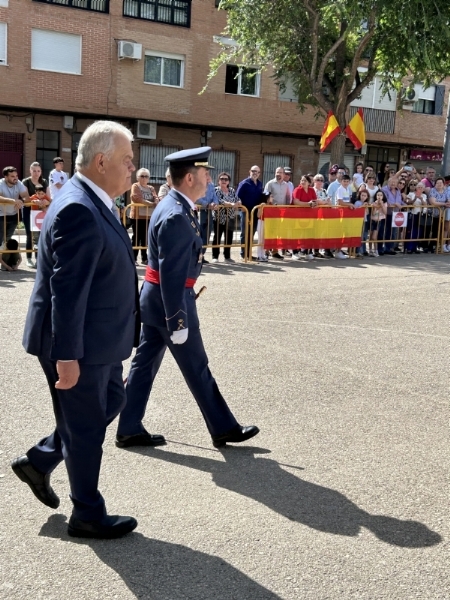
(169, 314)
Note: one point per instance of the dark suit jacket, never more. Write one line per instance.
(84, 304)
(175, 250)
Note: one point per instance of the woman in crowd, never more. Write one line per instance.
(30, 183)
(440, 198)
(395, 203)
(414, 230)
(304, 195)
(224, 218)
(142, 193)
(377, 221)
(166, 187)
(371, 185)
(383, 173)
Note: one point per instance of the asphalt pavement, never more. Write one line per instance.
(343, 495)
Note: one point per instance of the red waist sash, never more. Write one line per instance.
(152, 276)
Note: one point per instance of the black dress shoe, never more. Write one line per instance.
(139, 439)
(108, 528)
(235, 435)
(39, 482)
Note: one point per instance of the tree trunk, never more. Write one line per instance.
(337, 150)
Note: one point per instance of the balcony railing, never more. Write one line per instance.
(101, 6)
(376, 120)
(172, 12)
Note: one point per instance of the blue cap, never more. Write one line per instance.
(193, 157)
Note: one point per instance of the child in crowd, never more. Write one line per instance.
(358, 176)
(266, 199)
(10, 261)
(362, 199)
(377, 221)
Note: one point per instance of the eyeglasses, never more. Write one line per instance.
(254, 171)
(412, 185)
(421, 172)
(401, 183)
(223, 179)
(319, 179)
(145, 176)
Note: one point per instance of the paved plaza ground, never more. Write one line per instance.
(343, 495)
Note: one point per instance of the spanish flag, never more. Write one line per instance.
(355, 130)
(298, 227)
(330, 130)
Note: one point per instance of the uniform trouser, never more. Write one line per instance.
(193, 363)
(82, 414)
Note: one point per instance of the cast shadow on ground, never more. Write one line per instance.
(9, 279)
(158, 570)
(424, 262)
(315, 506)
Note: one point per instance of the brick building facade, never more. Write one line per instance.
(60, 58)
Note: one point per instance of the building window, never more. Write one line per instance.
(424, 106)
(152, 158)
(55, 51)
(4, 3)
(47, 147)
(3, 43)
(95, 5)
(164, 69)
(172, 12)
(242, 81)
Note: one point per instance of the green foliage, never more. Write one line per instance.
(319, 44)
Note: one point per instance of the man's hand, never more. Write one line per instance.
(179, 337)
(69, 373)
(18, 203)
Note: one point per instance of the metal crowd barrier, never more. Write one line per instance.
(215, 225)
(423, 229)
(12, 226)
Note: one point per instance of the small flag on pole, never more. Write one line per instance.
(330, 130)
(355, 130)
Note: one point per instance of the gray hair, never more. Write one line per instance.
(143, 172)
(99, 138)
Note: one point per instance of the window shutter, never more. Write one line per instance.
(54, 51)
(3, 37)
(439, 100)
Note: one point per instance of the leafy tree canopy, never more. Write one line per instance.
(319, 44)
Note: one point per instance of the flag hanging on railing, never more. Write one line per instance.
(292, 227)
(355, 130)
(330, 130)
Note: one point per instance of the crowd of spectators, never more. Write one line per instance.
(422, 194)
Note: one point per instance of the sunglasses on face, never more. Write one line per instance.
(223, 179)
(144, 176)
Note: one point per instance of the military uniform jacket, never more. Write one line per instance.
(84, 305)
(175, 251)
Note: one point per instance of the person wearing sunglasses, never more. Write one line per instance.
(224, 218)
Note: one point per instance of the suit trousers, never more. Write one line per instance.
(82, 414)
(193, 363)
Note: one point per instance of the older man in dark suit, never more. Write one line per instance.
(82, 322)
(169, 313)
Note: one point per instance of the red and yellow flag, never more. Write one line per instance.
(295, 227)
(355, 130)
(330, 130)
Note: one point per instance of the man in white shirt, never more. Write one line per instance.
(57, 177)
(278, 188)
(343, 196)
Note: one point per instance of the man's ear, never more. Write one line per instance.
(100, 163)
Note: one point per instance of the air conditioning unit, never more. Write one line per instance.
(146, 130)
(130, 50)
(408, 95)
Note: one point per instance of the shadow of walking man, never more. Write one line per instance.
(157, 570)
(265, 481)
